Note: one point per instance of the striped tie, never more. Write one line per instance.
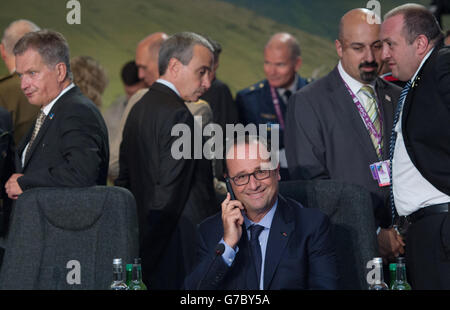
(394, 139)
(372, 111)
(37, 126)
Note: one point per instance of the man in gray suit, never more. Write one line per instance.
(340, 125)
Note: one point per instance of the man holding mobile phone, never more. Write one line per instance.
(269, 242)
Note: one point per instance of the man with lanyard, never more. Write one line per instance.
(338, 127)
(266, 101)
(419, 147)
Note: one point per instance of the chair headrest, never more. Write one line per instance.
(72, 208)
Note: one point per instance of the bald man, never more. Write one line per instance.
(340, 125)
(266, 101)
(11, 96)
(147, 62)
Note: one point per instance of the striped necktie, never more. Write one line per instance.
(372, 111)
(37, 126)
(394, 139)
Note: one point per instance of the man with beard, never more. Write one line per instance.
(338, 126)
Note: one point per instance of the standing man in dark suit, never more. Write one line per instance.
(266, 101)
(11, 96)
(68, 144)
(172, 193)
(420, 144)
(340, 125)
(269, 242)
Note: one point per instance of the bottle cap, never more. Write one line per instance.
(129, 267)
(378, 260)
(117, 261)
(400, 260)
(393, 267)
(137, 261)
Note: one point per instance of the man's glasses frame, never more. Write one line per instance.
(244, 179)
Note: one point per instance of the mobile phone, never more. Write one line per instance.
(230, 189)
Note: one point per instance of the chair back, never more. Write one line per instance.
(66, 238)
(350, 210)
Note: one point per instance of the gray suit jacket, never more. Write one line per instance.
(327, 139)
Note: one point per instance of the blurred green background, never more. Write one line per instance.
(110, 30)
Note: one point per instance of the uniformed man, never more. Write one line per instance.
(11, 96)
(266, 101)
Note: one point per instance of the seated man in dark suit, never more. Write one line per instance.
(68, 144)
(265, 240)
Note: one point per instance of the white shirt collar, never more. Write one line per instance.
(49, 106)
(421, 64)
(292, 87)
(169, 84)
(354, 84)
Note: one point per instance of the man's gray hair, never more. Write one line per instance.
(50, 45)
(417, 20)
(15, 31)
(180, 46)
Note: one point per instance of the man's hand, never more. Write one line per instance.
(390, 244)
(12, 186)
(232, 221)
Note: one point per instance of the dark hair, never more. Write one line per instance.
(129, 74)
(51, 46)
(417, 20)
(180, 46)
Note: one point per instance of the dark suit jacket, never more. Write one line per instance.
(224, 111)
(172, 195)
(426, 120)
(22, 112)
(6, 166)
(327, 139)
(299, 254)
(71, 148)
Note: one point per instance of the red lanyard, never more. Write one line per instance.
(276, 104)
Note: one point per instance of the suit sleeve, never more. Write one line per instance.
(81, 151)
(305, 146)
(322, 258)
(209, 271)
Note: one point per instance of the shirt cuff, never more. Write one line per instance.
(378, 230)
(229, 254)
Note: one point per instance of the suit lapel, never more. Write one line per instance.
(280, 233)
(387, 104)
(53, 113)
(39, 136)
(349, 114)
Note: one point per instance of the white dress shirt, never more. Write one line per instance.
(411, 190)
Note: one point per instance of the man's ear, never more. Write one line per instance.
(298, 63)
(338, 45)
(421, 44)
(3, 52)
(174, 66)
(62, 71)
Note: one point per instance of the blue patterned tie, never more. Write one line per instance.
(255, 231)
(401, 100)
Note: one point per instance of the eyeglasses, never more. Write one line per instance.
(245, 178)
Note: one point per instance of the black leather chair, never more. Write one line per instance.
(61, 236)
(349, 208)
